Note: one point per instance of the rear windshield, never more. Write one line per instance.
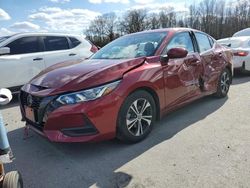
(244, 32)
(233, 43)
(132, 46)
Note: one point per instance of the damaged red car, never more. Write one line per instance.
(126, 86)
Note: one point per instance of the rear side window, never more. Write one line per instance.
(203, 42)
(74, 42)
(24, 45)
(182, 40)
(53, 43)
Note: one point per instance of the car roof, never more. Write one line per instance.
(45, 34)
(172, 29)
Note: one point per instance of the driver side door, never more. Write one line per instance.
(180, 82)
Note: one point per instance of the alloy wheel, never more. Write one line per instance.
(225, 82)
(139, 117)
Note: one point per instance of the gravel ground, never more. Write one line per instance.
(205, 144)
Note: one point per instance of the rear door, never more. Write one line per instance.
(23, 63)
(211, 58)
(57, 49)
(180, 81)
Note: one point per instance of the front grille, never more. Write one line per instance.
(39, 106)
(30, 100)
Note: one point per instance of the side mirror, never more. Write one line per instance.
(4, 50)
(174, 53)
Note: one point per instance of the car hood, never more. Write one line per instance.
(78, 75)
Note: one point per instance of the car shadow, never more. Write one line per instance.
(46, 164)
(240, 78)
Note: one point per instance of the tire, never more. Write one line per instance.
(136, 117)
(13, 180)
(224, 83)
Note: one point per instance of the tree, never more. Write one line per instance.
(102, 29)
(219, 18)
(134, 21)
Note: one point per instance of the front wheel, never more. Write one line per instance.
(136, 117)
(224, 83)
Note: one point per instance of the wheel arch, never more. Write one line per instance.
(229, 67)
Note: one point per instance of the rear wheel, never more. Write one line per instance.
(223, 83)
(12, 180)
(136, 117)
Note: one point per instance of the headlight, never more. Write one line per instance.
(87, 95)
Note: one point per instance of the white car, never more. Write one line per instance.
(241, 33)
(24, 55)
(241, 50)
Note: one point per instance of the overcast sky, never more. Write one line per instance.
(70, 16)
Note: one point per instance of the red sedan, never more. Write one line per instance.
(126, 86)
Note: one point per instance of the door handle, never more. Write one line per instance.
(72, 54)
(38, 59)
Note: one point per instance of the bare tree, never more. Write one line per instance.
(153, 21)
(219, 18)
(167, 17)
(134, 21)
(102, 29)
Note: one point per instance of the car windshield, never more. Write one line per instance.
(132, 46)
(4, 38)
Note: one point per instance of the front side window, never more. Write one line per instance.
(53, 43)
(203, 42)
(132, 46)
(24, 45)
(181, 40)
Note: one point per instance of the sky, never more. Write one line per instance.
(68, 16)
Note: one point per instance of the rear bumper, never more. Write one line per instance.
(238, 64)
(241, 62)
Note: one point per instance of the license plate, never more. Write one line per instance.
(29, 112)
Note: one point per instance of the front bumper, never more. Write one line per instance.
(82, 122)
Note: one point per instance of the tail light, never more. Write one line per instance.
(94, 49)
(241, 53)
